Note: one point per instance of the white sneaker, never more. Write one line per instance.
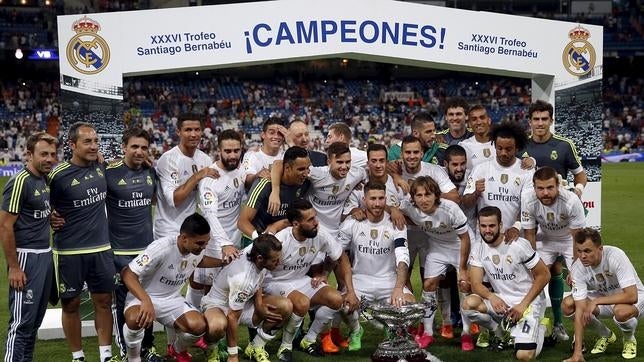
(559, 333)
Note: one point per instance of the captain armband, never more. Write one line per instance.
(402, 251)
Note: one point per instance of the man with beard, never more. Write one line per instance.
(220, 202)
(423, 127)
(340, 132)
(456, 117)
(379, 273)
(81, 245)
(255, 217)
(131, 187)
(445, 225)
(559, 214)
(257, 164)
(301, 244)
(24, 234)
(236, 298)
(517, 276)
(501, 181)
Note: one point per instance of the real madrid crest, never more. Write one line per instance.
(554, 155)
(508, 259)
(579, 55)
(87, 52)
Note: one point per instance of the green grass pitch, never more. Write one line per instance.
(623, 196)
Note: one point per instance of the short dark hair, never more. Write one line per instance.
(540, 106)
(343, 129)
(294, 211)
(409, 139)
(72, 134)
(374, 185)
(337, 149)
(194, 225)
(137, 132)
(588, 233)
(294, 153)
(545, 173)
(429, 184)
(455, 102)
(229, 134)
(476, 107)
(509, 130)
(491, 211)
(190, 117)
(40, 136)
(454, 150)
(375, 147)
(420, 119)
(262, 246)
(272, 121)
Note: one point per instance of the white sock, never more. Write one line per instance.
(78, 354)
(353, 321)
(133, 339)
(428, 320)
(599, 326)
(105, 352)
(262, 337)
(466, 324)
(323, 316)
(289, 330)
(483, 319)
(337, 319)
(540, 336)
(171, 335)
(185, 340)
(628, 328)
(193, 296)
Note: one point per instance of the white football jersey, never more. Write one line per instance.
(508, 268)
(298, 256)
(220, 201)
(328, 194)
(355, 199)
(556, 220)
(236, 283)
(162, 269)
(435, 172)
(503, 188)
(358, 158)
(255, 161)
(443, 226)
(372, 246)
(477, 152)
(614, 273)
(174, 169)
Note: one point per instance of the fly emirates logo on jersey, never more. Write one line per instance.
(505, 193)
(93, 196)
(499, 273)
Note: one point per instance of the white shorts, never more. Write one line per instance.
(526, 331)
(606, 310)
(438, 259)
(205, 276)
(375, 290)
(417, 244)
(283, 289)
(550, 250)
(246, 317)
(166, 310)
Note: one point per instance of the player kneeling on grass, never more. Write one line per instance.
(154, 280)
(518, 277)
(604, 284)
(236, 298)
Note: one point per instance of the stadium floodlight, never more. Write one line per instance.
(19, 54)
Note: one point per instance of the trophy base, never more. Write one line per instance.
(398, 350)
(417, 357)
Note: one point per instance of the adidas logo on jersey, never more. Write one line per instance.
(171, 267)
(491, 179)
(36, 193)
(362, 233)
(122, 182)
(75, 182)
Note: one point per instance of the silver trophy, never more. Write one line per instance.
(399, 345)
